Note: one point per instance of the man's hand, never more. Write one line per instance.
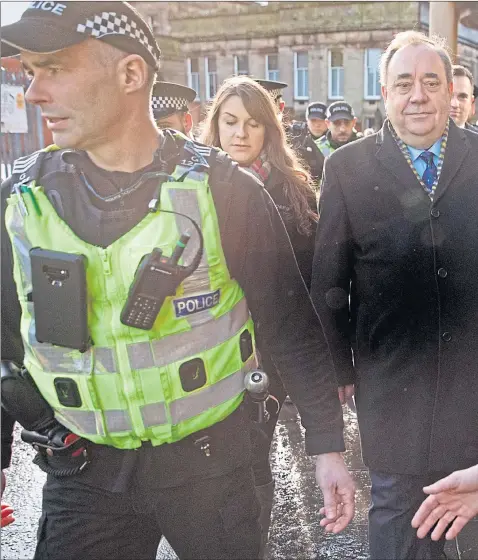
(346, 392)
(338, 489)
(453, 499)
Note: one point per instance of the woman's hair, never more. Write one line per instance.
(258, 103)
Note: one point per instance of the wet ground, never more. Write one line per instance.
(295, 530)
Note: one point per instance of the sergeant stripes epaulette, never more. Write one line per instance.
(23, 164)
(202, 149)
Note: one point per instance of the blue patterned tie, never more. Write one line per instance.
(431, 172)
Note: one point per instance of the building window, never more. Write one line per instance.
(211, 76)
(369, 122)
(272, 67)
(241, 65)
(336, 74)
(301, 75)
(372, 75)
(193, 75)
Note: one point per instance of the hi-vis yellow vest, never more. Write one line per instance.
(130, 380)
(324, 145)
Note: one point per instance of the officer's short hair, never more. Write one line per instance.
(462, 71)
(406, 38)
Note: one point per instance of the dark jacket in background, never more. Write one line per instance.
(303, 143)
(410, 267)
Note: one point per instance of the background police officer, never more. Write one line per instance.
(275, 91)
(316, 115)
(304, 138)
(170, 103)
(160, 410)
(340, 122)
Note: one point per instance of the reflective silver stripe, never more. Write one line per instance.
(229, 387)
(78, 421)
(118, 421)
(63, 360)
(154, 414)
(186, 201)
(104, 360)
(22, 248)
(140, 355)
(186, 344)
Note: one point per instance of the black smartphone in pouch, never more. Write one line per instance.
(60, 298)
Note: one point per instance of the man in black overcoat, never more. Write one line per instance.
(395, 282)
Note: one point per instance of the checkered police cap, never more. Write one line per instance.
(169, 98)
(52, 26)
(273, 87)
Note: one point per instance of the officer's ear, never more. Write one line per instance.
(133, 73)
(327, 122)
(188, 122)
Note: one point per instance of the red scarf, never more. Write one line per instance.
(260, 168)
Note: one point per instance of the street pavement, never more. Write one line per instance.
(295, 530)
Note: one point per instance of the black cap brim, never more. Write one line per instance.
(341, 115)
(320, 116)
(37, 35)
(270, 84)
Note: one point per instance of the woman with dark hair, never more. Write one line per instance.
(243, 122)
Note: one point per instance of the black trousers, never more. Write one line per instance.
(261, 435)
(209, 518)
(395, 500)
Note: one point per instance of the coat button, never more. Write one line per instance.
(446, 336)
(434, 212)
(442, 273)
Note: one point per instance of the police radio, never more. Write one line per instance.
(157, 278)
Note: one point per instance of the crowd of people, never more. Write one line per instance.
(342, 264)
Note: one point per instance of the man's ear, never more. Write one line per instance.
(281, 105)
(188, 122)
(133, 73)
(384, 92)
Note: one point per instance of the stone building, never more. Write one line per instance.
(324, 50)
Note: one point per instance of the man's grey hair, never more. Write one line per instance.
(406, 38)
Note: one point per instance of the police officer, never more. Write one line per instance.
(275, 91)
(158, 407)
(316, 115)
(340, 122)
(170, 104)
(304, 138)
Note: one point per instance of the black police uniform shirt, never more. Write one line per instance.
(258, 255)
